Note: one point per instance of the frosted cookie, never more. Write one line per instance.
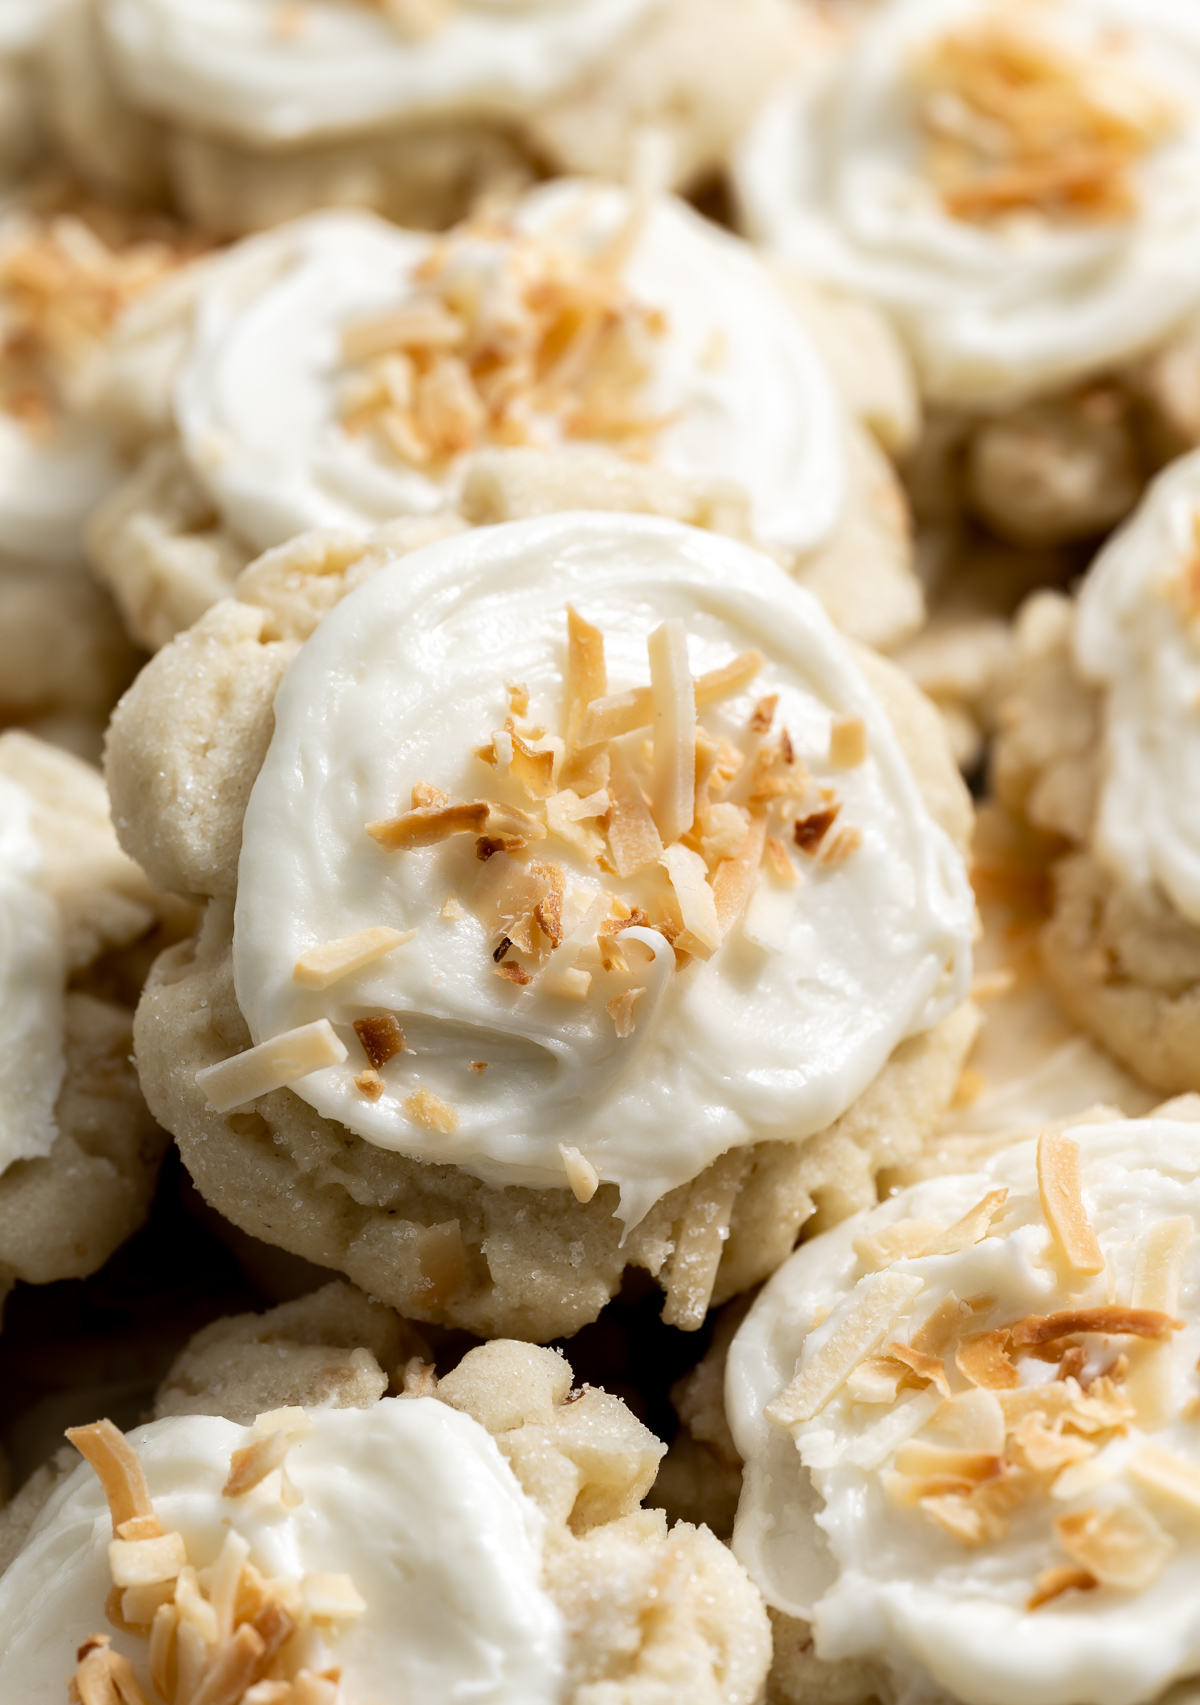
(585, 349)
(23, 27)
(258, 112)
(535, 1096)
(482, 1534)
(63, 656)
(1098, 736)
(79, 1153)
(1017, 185)
(968, 1421)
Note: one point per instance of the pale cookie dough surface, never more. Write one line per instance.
(1022, 1531)
(79, 1184)
(207, 701)
(528, 1534)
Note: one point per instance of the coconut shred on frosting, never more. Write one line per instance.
(969, 1423)
(263, 73)
(334, 1556)
(32, 978)
(1137, 637)
(344, 372)
(583, 851)
(1016, 182)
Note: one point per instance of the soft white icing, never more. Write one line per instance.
(832, 179)
(398, 685)
(409, 1498)
(1135, 639)
(265, 74)
(816, 1531)
(32, 979)
(257, 401)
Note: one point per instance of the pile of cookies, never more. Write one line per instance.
(599, 892)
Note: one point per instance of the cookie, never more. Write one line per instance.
(650, 364)
(80, 1152)
(408, 1175)
(411, 109)
(914, 170)
(994, 1370)
(482, 1530)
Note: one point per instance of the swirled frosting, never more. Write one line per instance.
(790, 984)
(32, 978)
(408, 1499)
(997, 1500)
(722, 380)
(265, 74)
(1137, 637)
(1017, 280)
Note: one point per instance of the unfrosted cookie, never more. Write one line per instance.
(465, 1176)
(1032, 264)
(481, 1533)
(586, 348)
(1096, 742)
(79, 1152)
(968, 1422)
(412, 107)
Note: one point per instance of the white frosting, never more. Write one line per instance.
(823, 1543)
(832, 179)
(409, 1498)
(398, 685)
(23, 25)
(1134, 639)
(257, 401)
(341, 68)
(32, 979)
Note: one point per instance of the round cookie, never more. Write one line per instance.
(1038, 259)
(483, 1530)
(967, 1418)
(1095, 741)
(420, 1190)
(412, 109)
(585, 348)
(80, 1153)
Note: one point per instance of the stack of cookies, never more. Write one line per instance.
(599, 910)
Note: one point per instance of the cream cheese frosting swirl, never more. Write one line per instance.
(795, 981)
(1012, 281)
(32, 979)
(266, 75)
(295, 409)
(969, 1423)
(1137, 637)
(407, 1514)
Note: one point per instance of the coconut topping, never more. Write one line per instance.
(1017, 120)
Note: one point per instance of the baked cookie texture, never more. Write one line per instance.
(691, 71)
(184, 749)
(63, 1215)
(650, 1611)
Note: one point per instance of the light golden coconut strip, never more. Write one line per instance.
(880, 1306)
(119, 1470)
(319, 967)
(1061, 1196)
(674, 698)
(271, 1065)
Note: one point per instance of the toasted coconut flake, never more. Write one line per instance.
(565, 816)
(1109, 1318)
(984, 1360)
(443, 1260)
(518, 697)
(119, 1470)
(674, 702)
(880, 1304)
(249, 1467)
(763, 714)
(918, 1459)
(1122, 1545)
(808, 832)
(848, 742)
(140, 1605)
(721, 833)
(1171, 1477)
(318, 967)
(632, 835)
(370, 1084)
(418, 325)
(581, 1174)
(331, 1598)
(700, 1241)
(271, 1065)
(1101, 1409)
(620, 1010)
(610, 716)
(729, 678)
(162, 1641)
(145, 1562)
(381, 1037)
(425, 1108)
(929, 1368)
(972, 1421)
(1159, 1265)
(957, 1515)
(425, 794)
(689, 880)
(587, 675)
(454, 910)
(780, 860)
(876, 1380)
(734, 878)
(943, 1324)
(233, 1667)
(1061, 1195)
(1052, 1583)
(104, 1677)
(897, 1242)
(972, 1228)
(838, 848)
(427, 825)
(533, 765)
(1046, 1449)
